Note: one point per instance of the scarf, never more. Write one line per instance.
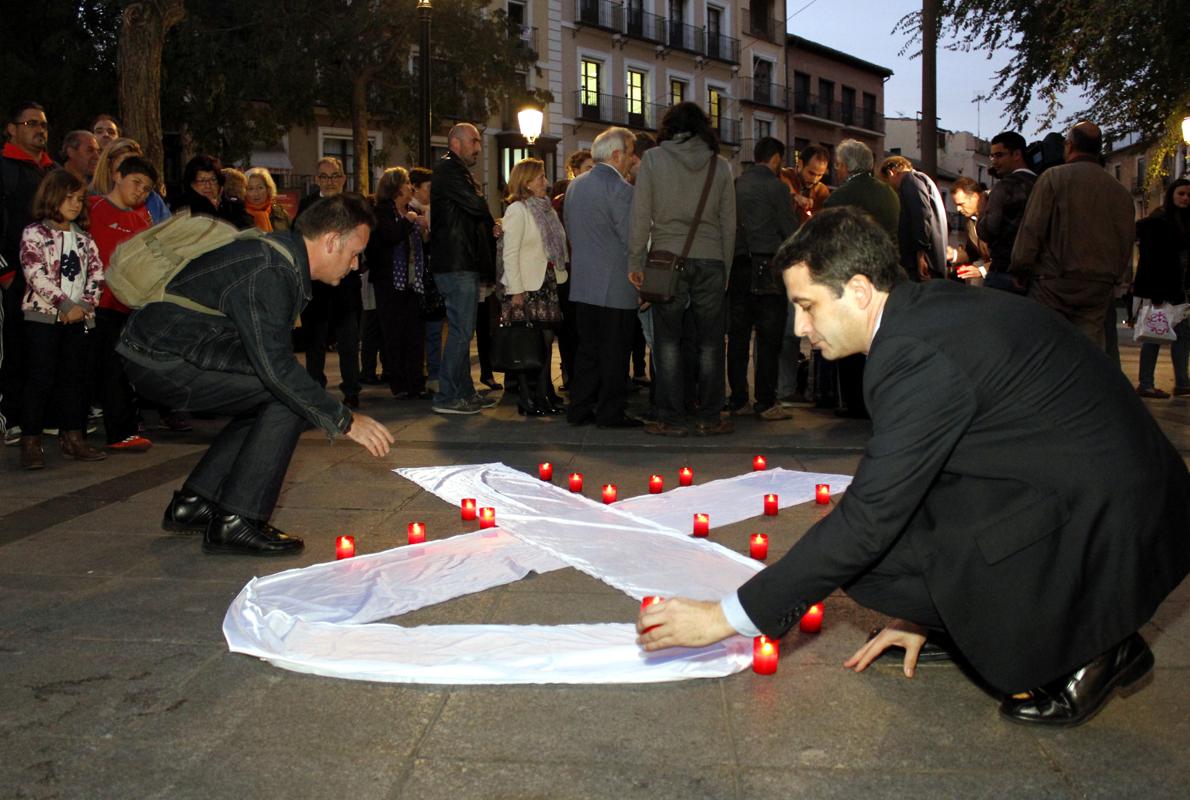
(552, 234)
(404, 254)
(260, 214)
(17, 154)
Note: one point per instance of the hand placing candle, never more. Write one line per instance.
(764, 656)
(417, 532)
(651, 600)
(344, 547)
(770, 505)
(758, 546)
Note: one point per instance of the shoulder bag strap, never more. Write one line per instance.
(702, 203)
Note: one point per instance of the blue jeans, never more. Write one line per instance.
(1179, 352)
(433, 348)
(701, 287)
(460, 293)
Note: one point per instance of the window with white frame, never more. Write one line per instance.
(635, 100)
(678, 91)
(590, 87)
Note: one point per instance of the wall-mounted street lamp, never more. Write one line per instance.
(530, 120)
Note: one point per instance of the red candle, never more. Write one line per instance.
(812, 620)
(576, 481)
(656, 484)
(651, 600)
(468, 508)
(685, 476)
(758, 546)
(417, 532)
(545, 471)
(609, 493)
(702, 525)
(487, 517)
(822, 493)
(764, 656)
(758, 464)
(344, 547)
(770, 505)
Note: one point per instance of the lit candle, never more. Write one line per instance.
(344, 547)
(656, 484)
(545, 471)
(685, 476)
(758, 464)
(822, 493)
(702, 524)
(758, 547)
(651, 600)
(764, 656)
(609, 493)
(468, 508)
(812, 620)
(487, 517)
(576, 481)
(770, 505)
(417, 532)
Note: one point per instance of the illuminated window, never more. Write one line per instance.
(636, 92)
(677, 91)
(590, 82)
(714, 105)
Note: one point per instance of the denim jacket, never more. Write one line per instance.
(261, 295)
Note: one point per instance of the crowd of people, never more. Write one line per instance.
(567, 262)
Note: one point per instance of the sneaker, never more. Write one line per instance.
(774, 412)
(12, 436)
(49, 431)
(96, 413)
(133, 444)
(1153, 392)
(483, 401)
(456, 407)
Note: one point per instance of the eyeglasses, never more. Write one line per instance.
(35, 123)
(206, 181)
(333, 177)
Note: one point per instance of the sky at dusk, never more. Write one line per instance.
(863, 28)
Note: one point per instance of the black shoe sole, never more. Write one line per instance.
(173, 526)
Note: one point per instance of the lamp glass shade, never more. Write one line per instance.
(530, 120)
(1186, 130)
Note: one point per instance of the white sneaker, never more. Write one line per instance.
(12, 436)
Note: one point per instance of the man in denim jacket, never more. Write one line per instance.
(240, 363)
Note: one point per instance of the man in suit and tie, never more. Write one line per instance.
(598, 206)
(1015, 494)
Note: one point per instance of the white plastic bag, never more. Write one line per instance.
(1154, 324)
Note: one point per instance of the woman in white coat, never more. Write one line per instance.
(532, 265)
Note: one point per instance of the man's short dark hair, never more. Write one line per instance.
(1083, 141)
(74, 140)
(839, 243)
(645, 142)
(1012, 141)
(341, 213)
(814, 152)
(14, 115)
(135, 165)
(419, 175)
(766, 148)
(688, 117)
(965, 185)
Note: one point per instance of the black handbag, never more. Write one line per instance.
(662, 267)
(764, 280)
(518, 347)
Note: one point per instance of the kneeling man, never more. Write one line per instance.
(1015, 496)
(242, 364)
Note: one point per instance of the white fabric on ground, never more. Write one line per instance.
(316, 619)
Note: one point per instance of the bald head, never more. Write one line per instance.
(464, 141)
(1084, 139)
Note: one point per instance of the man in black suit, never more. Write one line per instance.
(1015, 494)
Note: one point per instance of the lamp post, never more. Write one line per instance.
(529, 119)
(424, 10)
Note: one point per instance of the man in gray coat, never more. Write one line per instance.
(598, 205)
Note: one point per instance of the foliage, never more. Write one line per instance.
(1129, 57)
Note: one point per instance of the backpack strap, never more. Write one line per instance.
(251, 234)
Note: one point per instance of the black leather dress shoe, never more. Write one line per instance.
(187, 513)
(236, 535)
(1075, 698)
(624, 421)
(938, 648)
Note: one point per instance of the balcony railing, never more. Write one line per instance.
(867, 119)
(816, 106)
(765, 93)
(771, 30)
(723, 48)
(681, 36)
(640, 24)
(728, 130)
(615, 109)
(598, 14)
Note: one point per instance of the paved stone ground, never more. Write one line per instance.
(116, 681)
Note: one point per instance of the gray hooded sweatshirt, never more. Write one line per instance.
(668, 184)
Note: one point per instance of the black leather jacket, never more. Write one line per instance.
(261, 294)
(461, 232)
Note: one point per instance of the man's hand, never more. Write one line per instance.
(969, 271)
(923, 265)
(371, 434)
(679, 622)
(799, 200)
(897, 633)
(637, 279)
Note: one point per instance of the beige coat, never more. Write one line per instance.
(524, 252)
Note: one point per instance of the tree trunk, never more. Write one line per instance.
(359, 131)
(929, 88)
(142, 39)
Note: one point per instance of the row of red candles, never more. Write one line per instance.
(764, 649)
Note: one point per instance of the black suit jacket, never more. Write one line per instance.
(1048, 510)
